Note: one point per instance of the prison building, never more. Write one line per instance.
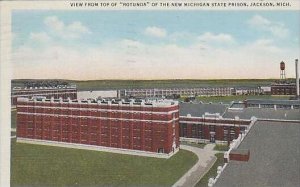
(132, 127)
(283, 89)
(274, 104)
(210, 128)
(248, 91)
(48, 92)
(165, 92)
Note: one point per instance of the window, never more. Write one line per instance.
(194, 131)
(183, 130)
(200, 134)
(212, 128)
(160, 150)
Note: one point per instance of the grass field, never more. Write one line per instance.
(199, 145)
(220, 147)
(212, 172)
(122, 84)
(37, 165)
(13, 118)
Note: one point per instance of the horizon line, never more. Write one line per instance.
(151, 79)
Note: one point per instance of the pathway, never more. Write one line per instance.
(206, 159)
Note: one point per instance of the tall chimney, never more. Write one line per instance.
(297, 78)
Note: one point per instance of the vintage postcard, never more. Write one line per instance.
(150, 93)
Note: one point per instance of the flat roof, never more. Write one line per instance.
(263, 113)
(199, 109)
(132, 102)
(274, 101)
(274, 157)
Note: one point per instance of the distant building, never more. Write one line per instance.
(266, 90)
(283, 89)
(275, 104)
(264, 109)
(164, 92)
(248, 91)
(142, 127)
(48, 92)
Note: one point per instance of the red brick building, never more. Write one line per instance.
(48, 92)
(283, 89)
(211, 129)
(143, 126)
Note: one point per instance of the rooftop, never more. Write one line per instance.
(199, 109)
(274, 157)
(277, 102)
(284, 84)
(263, 113)
(131, 102)
(44, 87)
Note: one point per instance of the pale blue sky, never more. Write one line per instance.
(130, 37)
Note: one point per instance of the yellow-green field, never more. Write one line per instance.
(38, 165)
(13, 119)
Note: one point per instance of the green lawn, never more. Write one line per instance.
(212, 173)
(199, 145)
(220, 147)
(13, 118)
(37, 165)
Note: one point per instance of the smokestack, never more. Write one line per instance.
(297, 78)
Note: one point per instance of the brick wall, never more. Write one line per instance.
(204, 128)
(146, 128)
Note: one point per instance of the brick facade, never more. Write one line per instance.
(240, 155)
(211, 129)
(151, 126)
(283, 89)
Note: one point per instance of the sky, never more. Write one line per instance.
(90, 45)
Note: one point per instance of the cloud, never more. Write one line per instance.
(216, 38)
(130, 59)
(77, 27)
(41, 37)
(264, 46)
(59, 28)
(276, 28)
(155, 32)
(131, 43)
(54, 23)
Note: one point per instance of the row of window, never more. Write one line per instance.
(197, 131)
